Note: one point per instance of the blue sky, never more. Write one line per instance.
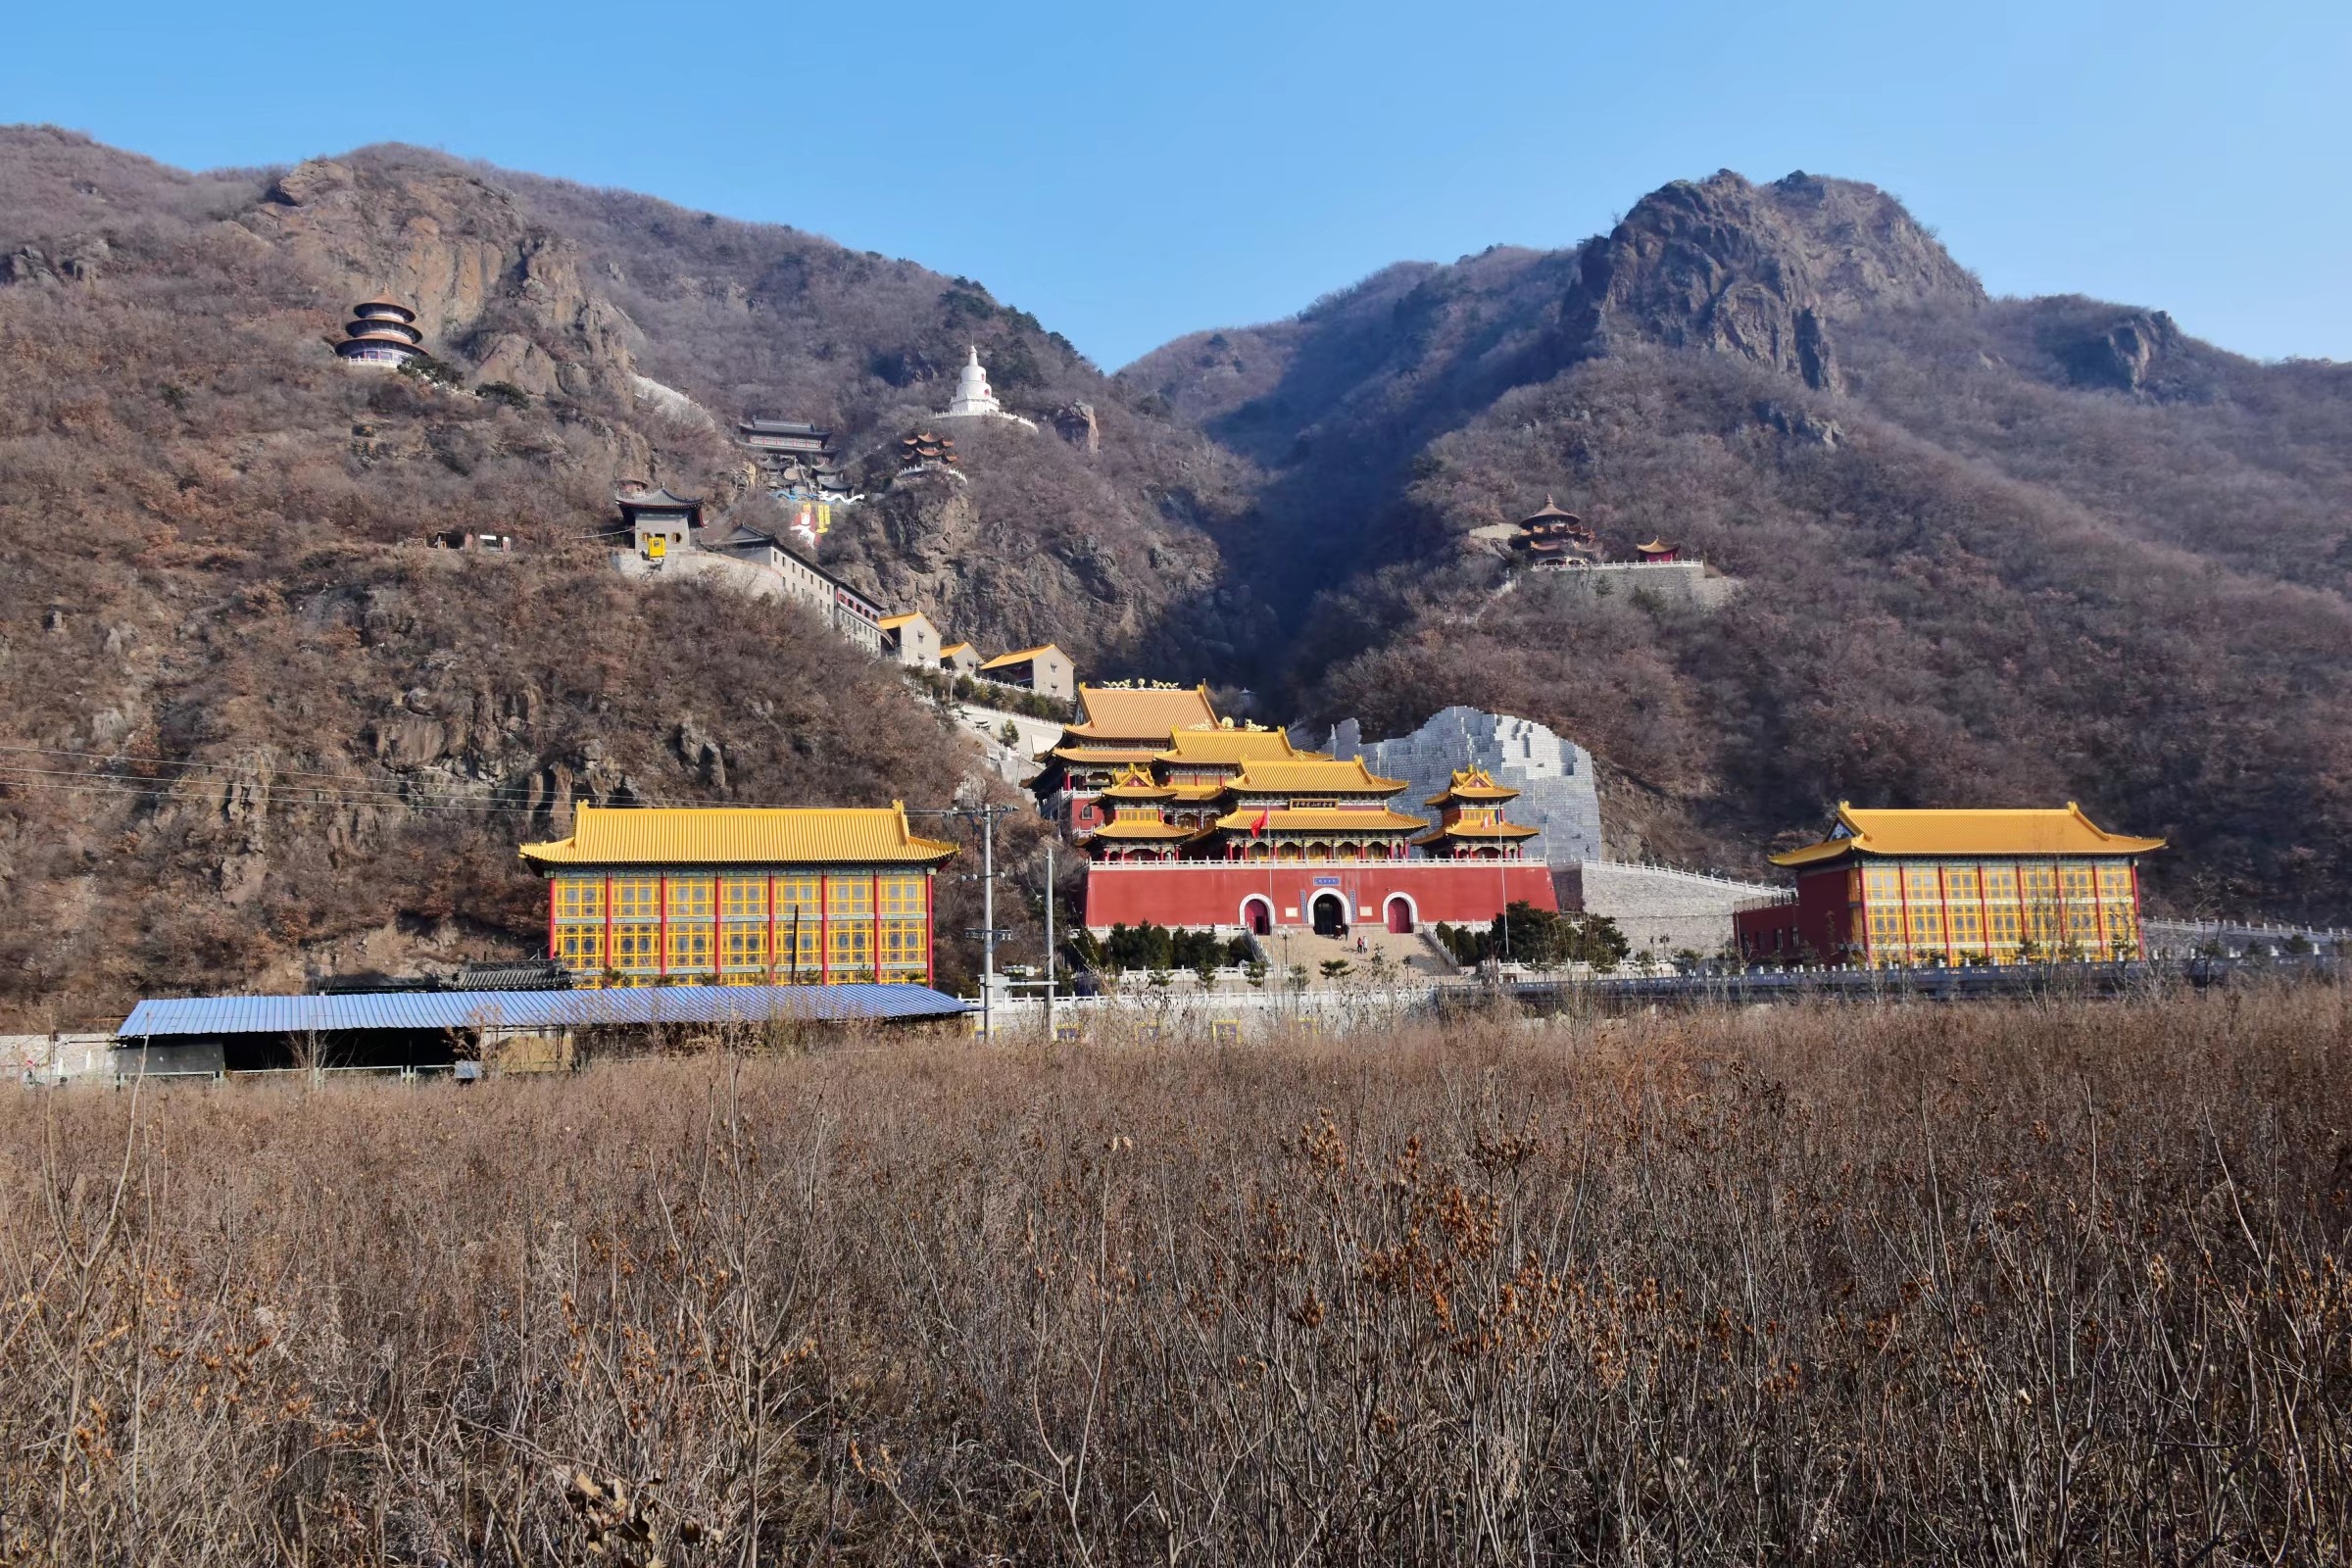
(1131, 173)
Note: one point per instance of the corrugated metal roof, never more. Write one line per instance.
(739, 835)
(525, 1010)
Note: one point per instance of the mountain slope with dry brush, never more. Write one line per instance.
(2062, 1282)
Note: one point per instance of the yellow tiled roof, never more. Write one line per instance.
(893, 622)
(1312, 776)
(1320, 819)
(1103, 753)
(1210, 745)
(2040, 830)
(1472, 784)
(740, 836)
(1135, 783)
(953, 649)
(1021, 657)
(1475, 830)
(1115, 712)
(1142, 830)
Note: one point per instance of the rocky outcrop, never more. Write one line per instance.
(487, 284)
(2121, 355)
(77, 258)
(1762, 272)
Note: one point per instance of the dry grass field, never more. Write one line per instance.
(2031, 1285)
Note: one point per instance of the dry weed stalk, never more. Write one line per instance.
(2063, 1282)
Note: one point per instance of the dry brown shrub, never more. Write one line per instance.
(1908, 1284)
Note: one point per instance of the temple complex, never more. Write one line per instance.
(1658, 553)
(797, 459)
(924, 450)
(658, 522)
(1213, 825)
(1551, 540)
(730, 896)
(381, 333)
(1903, 887)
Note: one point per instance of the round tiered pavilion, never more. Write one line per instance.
(381, 333)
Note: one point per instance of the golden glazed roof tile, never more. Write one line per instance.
(1472, 784)
(1313, 776)
(1196, 746)
(2042, 830)
(1119, 712)
(1475, 830)
(740, 836)
(1321, 820)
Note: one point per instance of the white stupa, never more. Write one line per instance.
(974, 401)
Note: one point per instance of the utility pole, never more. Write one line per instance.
(1048, 939)
(988, 920)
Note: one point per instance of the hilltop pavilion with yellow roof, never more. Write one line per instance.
(740, 896)
(1952, 887)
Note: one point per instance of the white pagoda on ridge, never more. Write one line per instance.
(974, 401)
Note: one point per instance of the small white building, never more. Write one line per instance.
(961, 659)
(912, 638)
(1046, 670)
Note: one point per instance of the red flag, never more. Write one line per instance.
(1259, 827)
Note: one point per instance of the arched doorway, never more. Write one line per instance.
(1258, 915)
(1401, 914)
(1330, 914)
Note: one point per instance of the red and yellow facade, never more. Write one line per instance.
(1913, 888)
(1228, 827)
(736, 896)
(1118, 727)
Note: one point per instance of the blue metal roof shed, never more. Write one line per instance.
(163, 1021)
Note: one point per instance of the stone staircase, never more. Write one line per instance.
(1410, 959)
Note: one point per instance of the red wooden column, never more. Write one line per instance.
(718, 928)
(931, 937)
(771, 930)
(608, 964)
(824, 930)
(873, 893)
(1943, 898)
(662, 917)
(1985, 908)
(551, 921)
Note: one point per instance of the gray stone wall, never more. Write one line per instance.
(1660, 911)
(1675, 582)
(1553, 776)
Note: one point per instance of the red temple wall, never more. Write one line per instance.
(1466, 893)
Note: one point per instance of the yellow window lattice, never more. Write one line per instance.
(636, 945)
(2115, 881)
(690, 947)
(795, 895)
(853, 953)
(905, 944)
(902, 896)
(635, 898)
(746, 898)
(690, 898)
(746, 945)
(582, 947)
(1960, 882)
(849, 897)
(581, 898)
